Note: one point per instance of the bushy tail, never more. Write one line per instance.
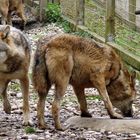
(39, 72)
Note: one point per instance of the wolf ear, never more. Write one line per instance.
(6, 32)
(133, 78)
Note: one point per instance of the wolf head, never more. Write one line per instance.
(122, 92)
(4, 43)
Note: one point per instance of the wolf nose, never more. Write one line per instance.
(128, 114)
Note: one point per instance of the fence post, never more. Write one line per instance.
(42, 7)
(80, 12)
(132, 16)
(110, 21)
(57, 1)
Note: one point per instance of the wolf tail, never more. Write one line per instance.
(39, 72)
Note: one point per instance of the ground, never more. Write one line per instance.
(11, 125)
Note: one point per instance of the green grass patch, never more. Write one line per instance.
(30, 130)
(93, 97)
(53, 12)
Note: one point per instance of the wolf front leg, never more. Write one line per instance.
(25, 93)
(6, 104)
(98, 81)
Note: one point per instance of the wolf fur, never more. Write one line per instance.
(14, 64)
(68, 59)
(7, 7)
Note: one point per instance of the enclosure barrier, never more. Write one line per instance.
(110, 21)
(42, 6)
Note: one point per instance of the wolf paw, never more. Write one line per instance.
(42, 127)
(60, 129)
(116, 116)
(27, 123)
(86, 114)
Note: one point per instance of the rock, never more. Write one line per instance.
(18, 138)
(133, 135)
(116, 125)
(32, 137)
(3, 134)
(39, 131)
(138, 137)
(12, 93)
(19, 95)
(73, 135)
(47, 137)
(14, 107)
(24, 137)
(41, 138)
(19, 111)
(112, 136)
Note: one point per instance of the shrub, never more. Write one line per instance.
(53, 12)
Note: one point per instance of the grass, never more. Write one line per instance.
(30, 130)
(93, 97)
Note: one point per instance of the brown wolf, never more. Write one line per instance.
(14, 64)
(8, 6)
(68, 59)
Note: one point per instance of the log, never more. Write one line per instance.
(127, 125)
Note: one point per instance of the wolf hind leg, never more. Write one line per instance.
(42, 93)
(60, 91)
(79, 91)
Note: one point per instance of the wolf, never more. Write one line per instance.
(15, 53)
(83, 63)
(8, 6)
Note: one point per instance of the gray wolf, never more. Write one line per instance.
(14, 64)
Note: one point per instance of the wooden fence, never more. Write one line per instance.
(42, 6)
(110, 21)
(102, 19)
